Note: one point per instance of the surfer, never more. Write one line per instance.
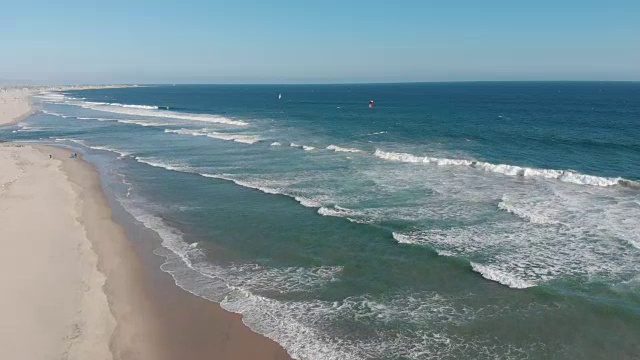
(370, 104)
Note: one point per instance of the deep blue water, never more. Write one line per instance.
(473, 220)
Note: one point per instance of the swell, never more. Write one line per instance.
(337, 211)
(497, 272)
(567, 176)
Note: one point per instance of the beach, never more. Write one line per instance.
(15, 101)
(15, 104)
(52, 288)
(74, 283)
(452, 220)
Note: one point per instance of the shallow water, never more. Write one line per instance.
(474, 220)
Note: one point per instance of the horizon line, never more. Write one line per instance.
(10, 83)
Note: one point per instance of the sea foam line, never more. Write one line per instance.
(306, 202)
(143, 110)
(245, 139)
(122, 121)
(161, 113)
(511, 170)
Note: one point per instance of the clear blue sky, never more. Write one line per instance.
(167, 41)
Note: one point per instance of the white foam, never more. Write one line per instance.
(343, 149)
(235, 287)
(377, 133)
(186, 132)
(149, 111)
(528, 213)
(121, 153)
(404, 239)
(241, 138)
(337, 211)
(499, 276)
(143, 122)
(161, 164)
(509, 170)
(78, 141)
(134, 106)
(27, 128)
(303, 147)
(523, 254)
(245, 139)
(275, 144)
(406, 157)
(303, 327)
(122, 121)
(94, 118)
(54, 114)
(252, 185)
(270, 188)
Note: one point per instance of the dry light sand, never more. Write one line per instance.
(14, 104)
(52, 304)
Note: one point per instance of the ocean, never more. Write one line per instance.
(450, 220)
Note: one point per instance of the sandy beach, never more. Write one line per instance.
(52, 289)
(77, 286)
(15, 104)
(15, 101)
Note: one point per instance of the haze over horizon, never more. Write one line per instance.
(317, 42)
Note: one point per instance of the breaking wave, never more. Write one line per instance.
(530, 254)
(154, 112)
(567, 176)
(343, 149)
(140, 110)
(502, 277)
(303, 147)
(245, 139)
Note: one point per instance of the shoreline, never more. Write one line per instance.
(130, 309)
(146, 302)
(16, 104)
(113, 301)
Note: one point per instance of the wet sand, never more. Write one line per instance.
(156, 319)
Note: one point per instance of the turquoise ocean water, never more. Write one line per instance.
(451, 220)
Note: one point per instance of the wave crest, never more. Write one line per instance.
(245, 139)
(566, 176)
(343, 149)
